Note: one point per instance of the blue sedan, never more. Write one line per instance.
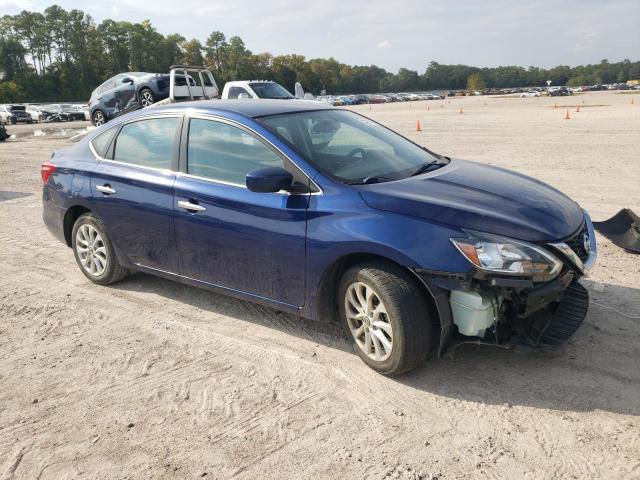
(329, 215)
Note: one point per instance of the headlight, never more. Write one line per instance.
(505, 256)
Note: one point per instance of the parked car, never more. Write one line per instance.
(529, 94)
(73, 112)
(559, 92)
(126, 92)
(326, 214)
(35, 112)
(14, 114)
(248, 89)
(54, 113)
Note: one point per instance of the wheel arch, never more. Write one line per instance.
(327, 297)
(71, 215)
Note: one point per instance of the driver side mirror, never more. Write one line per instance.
(244, 96)
(127, 80)
(268, 180)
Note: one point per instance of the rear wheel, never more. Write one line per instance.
(146, 97)
(386, 315)
(94, 252)
(98, 118)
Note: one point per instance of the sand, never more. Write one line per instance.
(152, 379)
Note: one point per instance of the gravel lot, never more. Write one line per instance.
(152, 379)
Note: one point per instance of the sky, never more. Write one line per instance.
(395, 33)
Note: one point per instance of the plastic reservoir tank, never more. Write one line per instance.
(472, 312)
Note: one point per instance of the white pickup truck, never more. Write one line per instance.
(255, 89)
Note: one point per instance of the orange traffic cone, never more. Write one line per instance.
(567, 117)
(460, 110)
(578, 108)
(418, 128)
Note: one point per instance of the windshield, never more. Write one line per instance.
(351, 148)
(270, 90)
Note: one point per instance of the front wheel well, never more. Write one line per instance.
(328, 292)
(70, 219)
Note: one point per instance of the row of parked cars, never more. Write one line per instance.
(340, 100)
(33, 113)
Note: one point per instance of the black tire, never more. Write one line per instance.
(407, 312)
(146, 97)
(13, 121)
(98, 118)
(113, 272)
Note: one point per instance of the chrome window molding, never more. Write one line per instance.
(204, 116)
(119, 127)
(233, 123)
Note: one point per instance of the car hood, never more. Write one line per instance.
(481, 197)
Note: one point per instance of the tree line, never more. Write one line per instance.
(61, 55)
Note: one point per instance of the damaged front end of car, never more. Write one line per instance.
(516, 293)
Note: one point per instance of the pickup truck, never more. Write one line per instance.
(255, 89)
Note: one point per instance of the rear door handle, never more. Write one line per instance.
(187, 205)
(106, 189)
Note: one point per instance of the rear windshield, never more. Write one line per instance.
(270, 90)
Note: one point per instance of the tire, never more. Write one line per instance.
(97, 260)
(13, 121)
(146, 98)
(405, 323)
(98, 118)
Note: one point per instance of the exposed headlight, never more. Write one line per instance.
(505, 256)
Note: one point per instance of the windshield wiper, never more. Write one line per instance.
(425, 167)
(372, 179)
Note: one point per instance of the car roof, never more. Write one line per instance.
(249, 108)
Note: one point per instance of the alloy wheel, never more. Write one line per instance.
(98, 119)
(91, 250)
(146, 98)
(368, 321)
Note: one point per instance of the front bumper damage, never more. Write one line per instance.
(515, 310)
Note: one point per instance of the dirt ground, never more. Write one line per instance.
(149, 379)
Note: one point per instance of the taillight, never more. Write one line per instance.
(46, 170)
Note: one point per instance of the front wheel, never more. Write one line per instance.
(98, 118)
(146, 97)
(94, 251)
(387, 317)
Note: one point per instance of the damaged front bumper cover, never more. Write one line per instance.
(531, 313)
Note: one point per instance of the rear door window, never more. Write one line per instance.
(101, 143)
(147, 143)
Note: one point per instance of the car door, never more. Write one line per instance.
(127, 93)
(133, 190)
(107, 98)
(227, 235)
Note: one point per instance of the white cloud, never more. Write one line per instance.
(384, 44)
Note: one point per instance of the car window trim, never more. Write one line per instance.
(213, 117)
(110, 150)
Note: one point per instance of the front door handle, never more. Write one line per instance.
(187, 205)
(106, 189)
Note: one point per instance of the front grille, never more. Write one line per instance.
(576, 243)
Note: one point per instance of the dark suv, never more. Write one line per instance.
(126, 92)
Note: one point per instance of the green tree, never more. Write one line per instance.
(475, 82)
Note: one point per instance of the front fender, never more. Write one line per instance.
(340, 225)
